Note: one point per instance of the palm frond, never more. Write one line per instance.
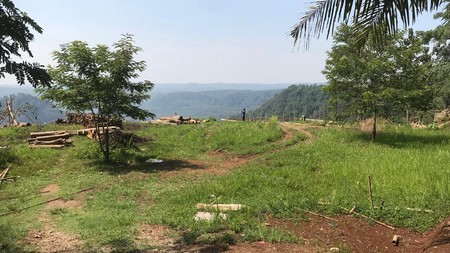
(371, 17)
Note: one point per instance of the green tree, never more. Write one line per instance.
(100, 81)
(362, 82)
(370, 19)
(438, 41)
(15, 35)
(294, 102)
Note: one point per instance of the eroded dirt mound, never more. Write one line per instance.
(49, 240)
(155, 235)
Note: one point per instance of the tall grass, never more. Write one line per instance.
(408, 170)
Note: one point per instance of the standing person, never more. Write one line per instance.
(243, 114)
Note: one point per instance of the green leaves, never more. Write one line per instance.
(364, 81)
(371, 20)
(99, 80)
(15, 35)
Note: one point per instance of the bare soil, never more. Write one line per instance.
(346, 233)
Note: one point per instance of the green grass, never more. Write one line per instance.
(408, 169)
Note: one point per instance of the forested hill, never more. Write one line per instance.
(295, 101)
(31, 109)
(213, 103)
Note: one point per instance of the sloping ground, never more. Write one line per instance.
(343, 233)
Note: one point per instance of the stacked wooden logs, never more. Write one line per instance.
(91, 133)
(175, 120)
(51, 139)
(88, 120)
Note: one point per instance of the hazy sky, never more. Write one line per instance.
(190, 41)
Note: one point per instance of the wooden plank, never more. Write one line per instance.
(57, 141)
(86, 131)
(53, 137)
(38, 134)
(3, 175)
(220, 207)
(47, 146)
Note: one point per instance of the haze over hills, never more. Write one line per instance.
(203, 104)
(216, 100)
(168, 87)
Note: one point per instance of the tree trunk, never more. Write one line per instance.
(106, 138)
(407, 116)
(374, 129)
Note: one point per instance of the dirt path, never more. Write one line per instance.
(344, 234)
(347, 234)
(289, 127)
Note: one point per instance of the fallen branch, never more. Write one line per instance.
(419, 210)
(320, 215)
(352, 211)
(369, 179)
(3, 175)
(44, 202)
(220, 207)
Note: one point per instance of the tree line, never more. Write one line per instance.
(295, 102)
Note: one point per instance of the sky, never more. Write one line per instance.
(190, 41)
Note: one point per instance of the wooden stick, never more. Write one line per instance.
(47, 146)
(320, 215)
(370, 192)
(45, 202)
(3, 175)
(367, 217)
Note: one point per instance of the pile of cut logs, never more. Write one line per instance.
(175, 120)
(86, 119)
(60, 139)
(52, 139)
(91, 133)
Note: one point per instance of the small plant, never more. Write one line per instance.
(273, 119)
(433, 126)
(58, 211)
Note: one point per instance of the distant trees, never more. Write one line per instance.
(438, 40)
(15, 35)
(364, 81)
(32, 109)
(99, 80)
(295, 101)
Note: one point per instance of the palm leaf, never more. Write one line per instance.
(370, 17)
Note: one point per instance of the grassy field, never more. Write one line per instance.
(282, 178)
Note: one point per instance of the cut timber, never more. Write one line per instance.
(38, 134)
(207, 216)
(47, 146)
(57, 141)
(52, 137)
(93, 129)
(3, 175)
(175, 118)
(220, 207)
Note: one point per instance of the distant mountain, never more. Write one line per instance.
(195, 87)
(38, 112)
(294, 102)
(218, 100)
(212, 103)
